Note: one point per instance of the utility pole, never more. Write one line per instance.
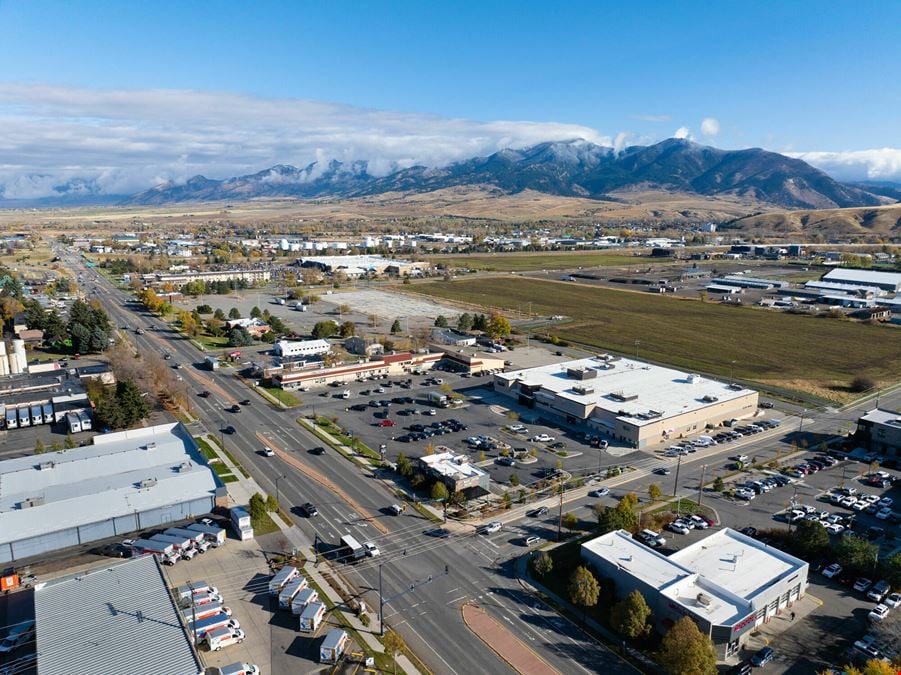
(193, 613)
(701, 485)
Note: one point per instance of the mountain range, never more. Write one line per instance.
(574, 168)
(570, 169)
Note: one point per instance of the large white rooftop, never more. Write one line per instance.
(451, 465)
(864, 277)
(365, 262)
(882, 416)
(119, 474)
(631, 390)
(738, 563)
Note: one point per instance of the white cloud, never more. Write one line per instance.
(682, 132)
(653, 118)
(710, 126)
(128, 140)
(875, 164)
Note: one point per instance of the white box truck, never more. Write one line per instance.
(292, 588)
(332, 648)
(37, 414)
(215, 535)
(302, 599)
(74, 422)
(352, 549)
(311, 617)
(199, 629)
(198, 612)
(85, 418)
(198, 540)
(201, 599)
(224, 637)
(281, 578)
(240, 519)
(164, 550)
(185, 591)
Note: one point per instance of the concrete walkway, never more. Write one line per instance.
(766, 632)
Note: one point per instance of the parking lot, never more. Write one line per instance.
(840, 617)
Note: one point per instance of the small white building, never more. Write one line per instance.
(285, 348)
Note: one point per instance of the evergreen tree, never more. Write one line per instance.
(441, 321)
(464, 322)
(396, 327)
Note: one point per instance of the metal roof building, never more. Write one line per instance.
(889, 281)
(116, 619)
(125, 481)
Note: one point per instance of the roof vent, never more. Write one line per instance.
(184, 467)
(150, 446)
(694, 378)
(147, 483)
(31, 502)
(704, 599)
(46, 466)
(709, 399)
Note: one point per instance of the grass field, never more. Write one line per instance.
(816, 355)
(521, 262)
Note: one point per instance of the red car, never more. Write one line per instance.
(386, 423)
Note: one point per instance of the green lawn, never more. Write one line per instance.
(210, 342)
(520, 262)
(264, 525)
(812, 354)
(284, 397)
(337, 432)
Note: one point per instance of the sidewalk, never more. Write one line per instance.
(297, 538)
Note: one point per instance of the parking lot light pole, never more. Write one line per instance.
(676, 482)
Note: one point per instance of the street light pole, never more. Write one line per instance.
(381, 606)
(277, 479)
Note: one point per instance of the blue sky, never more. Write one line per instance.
(379, 80)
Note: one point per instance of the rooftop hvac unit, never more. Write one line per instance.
(184, 467)
(704, 599)
(46, 466)
(31, 502)
(150, 446)
(709, 399)
(694, 378)
(147, 483)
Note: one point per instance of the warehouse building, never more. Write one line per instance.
(119, 618)
(292, 348)
(389, 364)
(358, 265)
(880, 431)
(887, 281)
(125, 481)
(727, 583)
(631, 401)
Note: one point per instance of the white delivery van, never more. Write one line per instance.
(311, 617)
(197, 588)
(224, 637)
(239, 669)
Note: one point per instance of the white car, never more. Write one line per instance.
(518, 429)
(893, 600)
(268, 452)
(678, 528)
(542, 438)
(870, 499)
(860, 505)
(493, 526)
(600, 492)
(699, 522)
(878, 613)
(832, 571)
(371, 549)
(848, 502)
(834, 528)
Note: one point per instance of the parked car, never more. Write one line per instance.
(832, 570)
(532, 541)
(678, 527)
(878, 613)
(763, 657)
(862, 584)
(542, 438)
(386, 423)
(892, 601)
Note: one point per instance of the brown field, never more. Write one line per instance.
(816, 355)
